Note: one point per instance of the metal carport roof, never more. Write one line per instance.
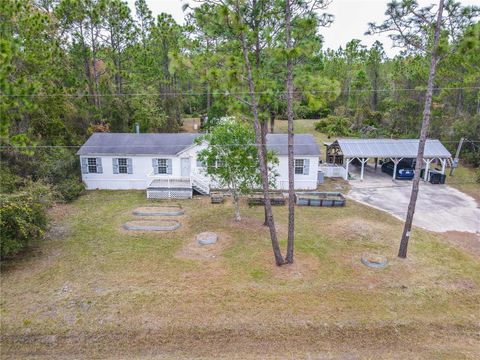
(391, 148)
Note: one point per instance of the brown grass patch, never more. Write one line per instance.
(248, 223)
(304, 266)
(194, 251)
(58, 212)
(467, 241)
(355, 227)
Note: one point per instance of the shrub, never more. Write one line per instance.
(23, 218)
(472, 157)
(334, 126)
(69, 189)
(9, 182)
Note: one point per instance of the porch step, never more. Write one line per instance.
(200, 185)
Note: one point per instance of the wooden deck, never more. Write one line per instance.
(176, 188)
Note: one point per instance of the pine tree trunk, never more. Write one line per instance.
(261, 156)
(263, 149)
(272, 122)
(86, 62)
(402, 252)
(96, 81)
(236, 204)
(375, 90)
(291, 167)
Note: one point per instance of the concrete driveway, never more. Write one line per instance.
(440, 208)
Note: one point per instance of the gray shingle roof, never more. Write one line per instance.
(172, 144)
(401, 148)
(136, 144)
(304, 144)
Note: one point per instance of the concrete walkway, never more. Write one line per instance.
(439, 208)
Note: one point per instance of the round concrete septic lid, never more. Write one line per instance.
(374, 261)
(207, 238)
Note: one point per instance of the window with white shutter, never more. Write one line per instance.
(302, 166)
(92, 165)
(122, 166)
(299, 166)
(162, 166)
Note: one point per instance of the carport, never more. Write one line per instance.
(388, 149)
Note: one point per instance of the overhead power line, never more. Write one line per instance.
(175, 145)
(236, 93)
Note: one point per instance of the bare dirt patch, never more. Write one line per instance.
(304, 266)
(356, 227)
(194, 251)
(59, 211)
(250, 224)
(467, 241)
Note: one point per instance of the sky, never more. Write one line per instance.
(351, 19)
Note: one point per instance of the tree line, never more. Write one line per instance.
(71, 67)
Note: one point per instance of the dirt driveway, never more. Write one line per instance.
(440, 208)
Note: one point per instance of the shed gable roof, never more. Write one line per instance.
(304, 144)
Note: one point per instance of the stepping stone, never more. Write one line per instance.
(207, 238)
(146, 225)
(158, 211)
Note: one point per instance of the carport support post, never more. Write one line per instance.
(395, 163)
(376, 163)
(427, 168)
(444, 162)
(346, 168)
(363, 161)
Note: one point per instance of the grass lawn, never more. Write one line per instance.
(465, 179)
(94, 290)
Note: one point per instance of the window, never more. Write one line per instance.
(92, 165)
(200, 164)
(122, 166)
(299, 166)
(162, 166)
(302, 166)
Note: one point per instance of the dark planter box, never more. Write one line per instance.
(329, 199)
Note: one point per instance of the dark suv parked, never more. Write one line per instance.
(405, 169)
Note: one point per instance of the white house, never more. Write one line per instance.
(166, 164)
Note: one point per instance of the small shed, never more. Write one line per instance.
(388, 149)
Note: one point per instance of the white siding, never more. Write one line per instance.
(143, 172)
(302, 182)
(139, 179)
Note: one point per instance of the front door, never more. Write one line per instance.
(185, 163)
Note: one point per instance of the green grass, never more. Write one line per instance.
(465, 179)
(94, 285)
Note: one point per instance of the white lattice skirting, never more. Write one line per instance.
(169, 193)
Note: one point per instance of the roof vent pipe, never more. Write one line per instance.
(137, 128)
